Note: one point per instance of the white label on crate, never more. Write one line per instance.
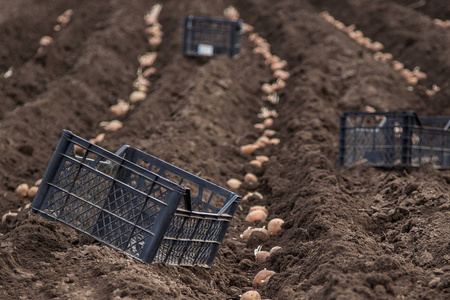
(205, 49)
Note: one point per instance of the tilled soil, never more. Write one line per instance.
(349, 233)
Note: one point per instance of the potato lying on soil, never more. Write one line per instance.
(259, 126)
(256, 163)
(8, 216)
(249, 195)
(251, 295)
(261, 256)
(268, 122)
(32, 192)
(248, 232)
(234, 183)
(121, 108)
(275, 141)
(262, 158)
(98, 139)
(248, 149)
(137, 96)
(22, 189)
(256, 215)
(250, 178)
(274, 226)
(269, 132)
(259, 207)
(113, 125)
(274, 249)
(262, 277)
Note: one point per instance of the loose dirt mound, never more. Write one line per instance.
(353, 233)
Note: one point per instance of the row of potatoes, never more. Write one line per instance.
(412, 77)
(267, 116)
(23, 189)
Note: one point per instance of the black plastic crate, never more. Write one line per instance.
(204, 36)
(394, 140)
(135, 203)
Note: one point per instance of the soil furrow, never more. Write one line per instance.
(334, 68)
(410, 36)
(103, 72)
(434, 9)
(35, 75)
(22, 24)
(353, 233)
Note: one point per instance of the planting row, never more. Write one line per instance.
(121, 108)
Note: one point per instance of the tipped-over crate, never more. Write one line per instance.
(135, 203)
(204, 36)
(394, 140)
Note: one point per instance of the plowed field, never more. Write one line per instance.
(349, 233)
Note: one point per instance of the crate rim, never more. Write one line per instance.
(401, 113)
(119, 160)
(230, 196)
(215, 19)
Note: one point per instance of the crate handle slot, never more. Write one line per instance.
(228, 204)
(122, 150)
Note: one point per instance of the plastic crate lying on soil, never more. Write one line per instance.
(135, 203)
(394, 139)
(211, 36)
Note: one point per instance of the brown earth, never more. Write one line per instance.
(350, 233)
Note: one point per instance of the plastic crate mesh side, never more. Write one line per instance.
(394, 140)
(203, 195)
(147, 218)
(120, 209)
(175, 249)
(207, 230)
(176, 226)
(186, 228)
(430, 146)
(184, 252)
(78, 213)
(373, 145)
(190, 252)
(196, 253)
(88, 191)
(137, 241)
(174, 230)
(123, 202)
(208, 201)
(391, 146)
(189, 240)
(224, 37)
(127, 220)
(202, 199)
(106, 209)
(86, 186)
(67, 175)
(204, 253)
(363, 144)
(146, 186)
(163, 251)
(112, 230)
(216, 34)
